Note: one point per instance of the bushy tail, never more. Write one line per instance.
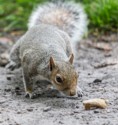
(68, 16)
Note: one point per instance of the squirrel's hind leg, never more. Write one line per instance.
(14, 60)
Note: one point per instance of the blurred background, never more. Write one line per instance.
(97, 65)
(102, 14)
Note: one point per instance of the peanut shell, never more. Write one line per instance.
(96, 103)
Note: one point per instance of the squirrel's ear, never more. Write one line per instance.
(52, 63)
(71, 58)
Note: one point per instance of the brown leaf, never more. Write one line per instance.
(5, 40)
(100, 45)
(16, 33)
(106, 63)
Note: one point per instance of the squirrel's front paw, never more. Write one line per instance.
(79, 92)
(11, 66)
(30, 95)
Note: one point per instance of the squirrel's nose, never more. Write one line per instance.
(72, 93)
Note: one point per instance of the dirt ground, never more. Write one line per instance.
(98, 77)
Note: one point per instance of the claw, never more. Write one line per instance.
(30, 95)
(27, 95)
(11, 66)
(80, 92)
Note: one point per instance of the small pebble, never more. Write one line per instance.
(17, 91)
(17, 88)
(60, 122)
(30, 109)
(7, 90)
(97, 80)
(47, 109)
(77, 106)
(72, 113)
(18, 112)
(8, 77)
(96, 111)
(76, 111)
(89, 73)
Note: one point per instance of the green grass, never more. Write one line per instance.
(14, 13)
(102, 14)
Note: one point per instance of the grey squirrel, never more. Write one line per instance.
(47, 48)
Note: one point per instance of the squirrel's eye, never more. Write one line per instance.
(59, 79)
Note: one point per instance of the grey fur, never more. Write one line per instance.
(70, 17)
(52, 27)
(34, 50)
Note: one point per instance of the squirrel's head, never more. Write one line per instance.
(63, 76)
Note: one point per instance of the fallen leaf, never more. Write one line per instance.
(5, 40)
(105, 64)
(100, 45)
(16, 33)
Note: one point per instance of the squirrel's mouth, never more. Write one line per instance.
(68, 93)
